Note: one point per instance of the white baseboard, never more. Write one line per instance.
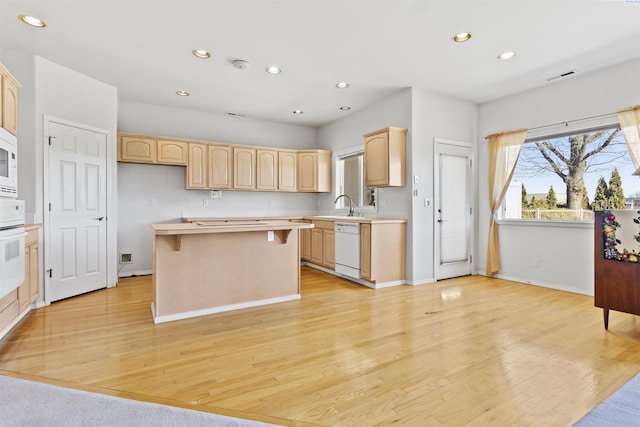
(420, 282)
(134, 273)
(221, 309)
(10, 326)
(555, 286)
(354, 279)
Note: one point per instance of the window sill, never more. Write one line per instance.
(541, 223)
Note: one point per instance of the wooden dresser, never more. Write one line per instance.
(617, 283)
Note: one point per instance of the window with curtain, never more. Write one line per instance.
(566, 176)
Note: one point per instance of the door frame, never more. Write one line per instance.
(437, 142)
(111, 208)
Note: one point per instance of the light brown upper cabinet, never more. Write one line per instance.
(136, 149)
(314, 171)
(287, 170)
(385, 157)
(220, 167)
(8, 101)
(146, 149)
(196, 172)
(172, 152)
(244, 168)
(267, 169)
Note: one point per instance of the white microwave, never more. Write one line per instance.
(8, 164)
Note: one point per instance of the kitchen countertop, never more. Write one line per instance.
(215, 225)
(333, 218)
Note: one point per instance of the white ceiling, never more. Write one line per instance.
(143, 48)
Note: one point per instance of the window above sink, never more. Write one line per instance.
(349, 179)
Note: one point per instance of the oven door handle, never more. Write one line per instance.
(11, 236)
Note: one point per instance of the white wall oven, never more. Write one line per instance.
(12, 240)
(8, 165)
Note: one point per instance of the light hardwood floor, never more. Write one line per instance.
(465, 351)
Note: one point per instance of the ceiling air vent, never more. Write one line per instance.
(565, 74)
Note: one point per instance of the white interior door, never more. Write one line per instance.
(454, 213)
(77, 225)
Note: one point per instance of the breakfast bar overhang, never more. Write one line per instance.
(209, 267)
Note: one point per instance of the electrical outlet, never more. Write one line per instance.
(153, 202)
(216, 194)
(536, 262)
(270, 236)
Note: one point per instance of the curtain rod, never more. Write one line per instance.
(566, 122)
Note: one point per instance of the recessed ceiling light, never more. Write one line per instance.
(182, 93)
(32, 20)
(461, 37)
(273, 70)
(201, 53)
(342, 85)
(345, 108)
(506, 55)
(298, 112)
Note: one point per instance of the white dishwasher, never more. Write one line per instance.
(347, 235)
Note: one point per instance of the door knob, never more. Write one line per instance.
(100, 218)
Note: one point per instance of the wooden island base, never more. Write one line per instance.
(201, 269)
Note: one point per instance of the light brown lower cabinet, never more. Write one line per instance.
(382, 249)
(9, 308)
(329, 249)
(305, 244)
(323, 244)
(19, 300)
(383, 252)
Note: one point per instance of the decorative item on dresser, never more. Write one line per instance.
(617, 261)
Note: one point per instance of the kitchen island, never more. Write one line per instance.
(213, 266)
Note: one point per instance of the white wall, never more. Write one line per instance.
(394, 110)
(151, 194)
(433, 116)
(566, 254)
(426, 115)
(52, 90)
(22, 66)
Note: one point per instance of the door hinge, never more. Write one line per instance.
(50, 138)
(470, 259)
(49, 207)
(470, 211)
(470, 163)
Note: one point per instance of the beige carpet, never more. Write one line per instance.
(28, 403)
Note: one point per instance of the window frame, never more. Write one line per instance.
(555, 131)
(338, 169)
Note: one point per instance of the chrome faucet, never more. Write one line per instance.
(350, 203)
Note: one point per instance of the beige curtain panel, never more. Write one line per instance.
(629, 119)
(504, 149)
